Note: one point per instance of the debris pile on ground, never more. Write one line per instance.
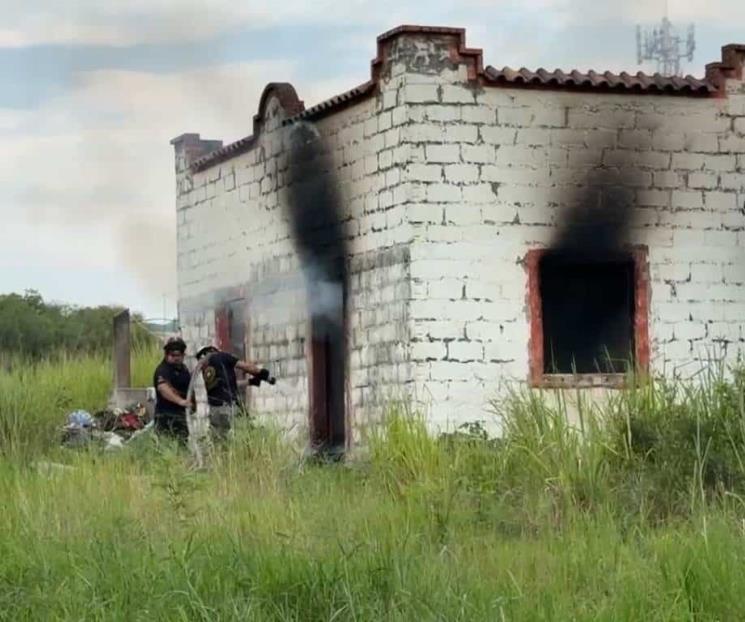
(110, 428)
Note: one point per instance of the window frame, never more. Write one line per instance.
(536, 375)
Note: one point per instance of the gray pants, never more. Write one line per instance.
(221, 421)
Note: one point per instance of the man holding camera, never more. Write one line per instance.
(218, 370)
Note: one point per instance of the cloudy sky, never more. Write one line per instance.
(91, 93)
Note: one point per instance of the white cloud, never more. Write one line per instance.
(562, 13)
(124, 22)
(92, 171)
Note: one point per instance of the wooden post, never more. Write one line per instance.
(122, 373)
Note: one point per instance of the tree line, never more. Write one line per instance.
(31, 327)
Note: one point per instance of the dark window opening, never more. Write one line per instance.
(587, 308)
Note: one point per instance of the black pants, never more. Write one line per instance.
(173, 425)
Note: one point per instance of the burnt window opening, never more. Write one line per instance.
(230, 328)
(587, 309)
(237, 328)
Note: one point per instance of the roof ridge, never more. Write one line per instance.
(731, 66)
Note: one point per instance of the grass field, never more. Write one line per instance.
(638, 518)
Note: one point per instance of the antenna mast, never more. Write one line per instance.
(665, 46)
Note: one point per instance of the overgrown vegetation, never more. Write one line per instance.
(32, 328)
(628, 511)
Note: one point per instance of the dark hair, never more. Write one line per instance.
(175, 344)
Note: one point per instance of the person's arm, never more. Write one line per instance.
(168, 392)
(248, 367)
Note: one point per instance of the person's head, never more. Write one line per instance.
(174, 350)
(205, 350)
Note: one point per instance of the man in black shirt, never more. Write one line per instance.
(218, 369)
(171, 382)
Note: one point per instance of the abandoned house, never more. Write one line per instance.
(552, 228)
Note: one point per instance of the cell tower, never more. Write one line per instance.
(664, 45)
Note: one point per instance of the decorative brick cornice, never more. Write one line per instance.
(459, 53)
(287, 97)
(729, 68)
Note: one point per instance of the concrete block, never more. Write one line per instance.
(569, 136)
(443, 153)
(654, 198)
(443, 193)
(428, 351)
(461, 173)
(554, 116)
(399, 116)
(609, 118)
(449, 370)
(671, 272)
(477, 289)
(667, 179)
(702, 143)
(720, 201)
(385, 119)
(515, 117)
(518, 175)
(688, 161)
(687, 199)
(508, 155)
(667, 141)
(733, 181)
(446, 289)
(456, 94)
(425, 172)
(498, 135)
(533, 137)
(424, 213)
(478, 114)
(477, 153)
(460, 133)
(703, 181)
(720, 238)
(635, 139)
(385, 159)
(479, 193)
(465, 351)
(442, 114)
(371, 164)
(424, 133)
(690, 331)
(370, 127)
(732, 144)
(465, 214)
(600, 139)
(706, 273)
(420, 93)
(734, 274)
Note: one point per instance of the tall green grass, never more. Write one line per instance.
(634, 513)
(35, 396)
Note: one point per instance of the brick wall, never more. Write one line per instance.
(491, 173)
(234, 243)
(446, 185)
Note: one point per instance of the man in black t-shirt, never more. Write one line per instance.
(218, 370)
(171, 382)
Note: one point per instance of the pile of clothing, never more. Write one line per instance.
(110, 428)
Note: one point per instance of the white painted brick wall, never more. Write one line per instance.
(447, 188)
(232, 233)
(510, 187)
